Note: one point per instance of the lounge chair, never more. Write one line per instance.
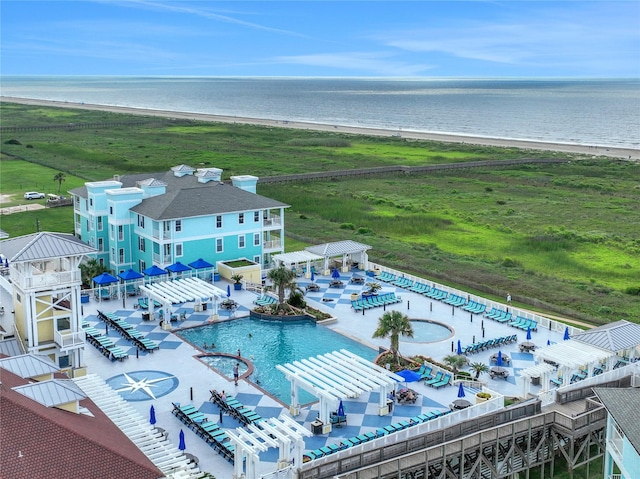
(445, 381)
(143, 303)
(436, 379)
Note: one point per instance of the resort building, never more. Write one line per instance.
(622, 458)
(44, 281)
(136, 221)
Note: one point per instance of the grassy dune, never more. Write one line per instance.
(561, 237)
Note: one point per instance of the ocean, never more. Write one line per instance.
(584, 112)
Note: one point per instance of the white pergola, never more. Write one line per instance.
(573, 355)
(335, 376)
(297, 257)
(283, 433)
(342, 249)
(541, 371)
(182, 290)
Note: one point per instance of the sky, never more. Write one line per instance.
(441, 39)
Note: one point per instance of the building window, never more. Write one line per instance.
(219, 245)
(100, 244)
(90, 201)
(241, 218)
(256, 259)
(256, 217)
(219, 221)
(110, 210)
(18, 298)
(142, 265)
(88, 226)
(63, 324)
(178, 249)
(178, 225)
(99, 220)
(120, 233)
(241, 241)
(112, 232)
(141, 221)
(256, 239)
(121, 256)
(63, 362)
(101, 261)
(141, 244)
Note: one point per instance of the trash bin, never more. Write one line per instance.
(535, 380)
(146, 316)
(216, 276)
(316, 427)
(390, 405)
(84, 298)
(204, 306)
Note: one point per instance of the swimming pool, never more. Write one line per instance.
(267, 343)
(427, 331)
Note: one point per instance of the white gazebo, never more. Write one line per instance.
(335, 376)
(345, 250)
(296, 258)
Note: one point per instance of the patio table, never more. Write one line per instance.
(505, 359)
(460, 404)
(498, 371)
(527, 347)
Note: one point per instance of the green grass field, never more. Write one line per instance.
(559, 237)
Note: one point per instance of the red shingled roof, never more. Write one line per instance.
(38, 441)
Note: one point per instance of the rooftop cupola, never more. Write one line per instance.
(245, 182)
(206, 175)
(182, 170)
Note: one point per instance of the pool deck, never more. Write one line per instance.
(178, 359)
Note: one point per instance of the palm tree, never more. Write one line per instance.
(59, 177)
(392, 324)
(282, 279)
(90, 269)
(479, 368)
(455, 361)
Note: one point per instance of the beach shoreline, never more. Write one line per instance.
(592, 150)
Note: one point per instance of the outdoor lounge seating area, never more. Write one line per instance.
(489, 343)
(211, 432)
(105, 345)
(369, 436)
(498, 315)
(143, 303)
(375, 301)
(235, 408)
(128, 331)
(265, 300)
(441, 379)
(524, 324)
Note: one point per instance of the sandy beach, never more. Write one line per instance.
(593, 150)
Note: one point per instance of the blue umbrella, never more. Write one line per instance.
(335, 274)
(461, 391)
(105, 278)
(548, 342)
(566, 333)
(200, 264)
(228, 291)
(313, 278)
(181, 445)
(129, 275)
(528, 334)
(499, 360)
(154, 271)
(152, 415)
(408, 375)
(459, 347)
(178, 267)
(340, 408)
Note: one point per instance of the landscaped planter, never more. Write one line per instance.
(281, 317)
(249, 270)
(482, 397)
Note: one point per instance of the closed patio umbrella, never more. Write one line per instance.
(152, 415)
(313, 277)
(566, 333)
(459, 348)
(228, 291)
(181, 445)
(335, 274)
(460, 391)
(499, 360)
(340, 408)
(528, 334)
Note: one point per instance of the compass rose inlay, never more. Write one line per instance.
(143, 385)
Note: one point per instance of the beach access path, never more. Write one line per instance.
(593, 150)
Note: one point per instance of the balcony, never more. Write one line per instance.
(161, 258)
(272, 221)
(67, 340)
(40, 280)
(272, 245)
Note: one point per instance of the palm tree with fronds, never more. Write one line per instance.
(455, 361)
(59, 177)
(479, 368)
(282, 279)
(393, 324)
(90, 269)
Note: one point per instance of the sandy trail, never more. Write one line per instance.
(594, 150)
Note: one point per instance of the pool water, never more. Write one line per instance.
(267, 343)
(224, 365)
(427, 332)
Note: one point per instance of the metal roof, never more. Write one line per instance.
(615, 337)
(29, 365)
(624, 407)
(44, 245)
(296, 257)
(338, 248)
(10, 347)
(52, 393)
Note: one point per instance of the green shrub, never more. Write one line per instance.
(12, 141)
(347, 226)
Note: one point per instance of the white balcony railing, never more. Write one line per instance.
(47, 279)
(273, 220)
(161, 258)
(272, 245)
(68, 339)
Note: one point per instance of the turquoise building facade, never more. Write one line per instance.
(136, 221)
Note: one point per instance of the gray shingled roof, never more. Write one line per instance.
(338, 248)
(52, 393)
(29, 365)
(612, 337)
(624, 407)
(206, 200)
(40, 246)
